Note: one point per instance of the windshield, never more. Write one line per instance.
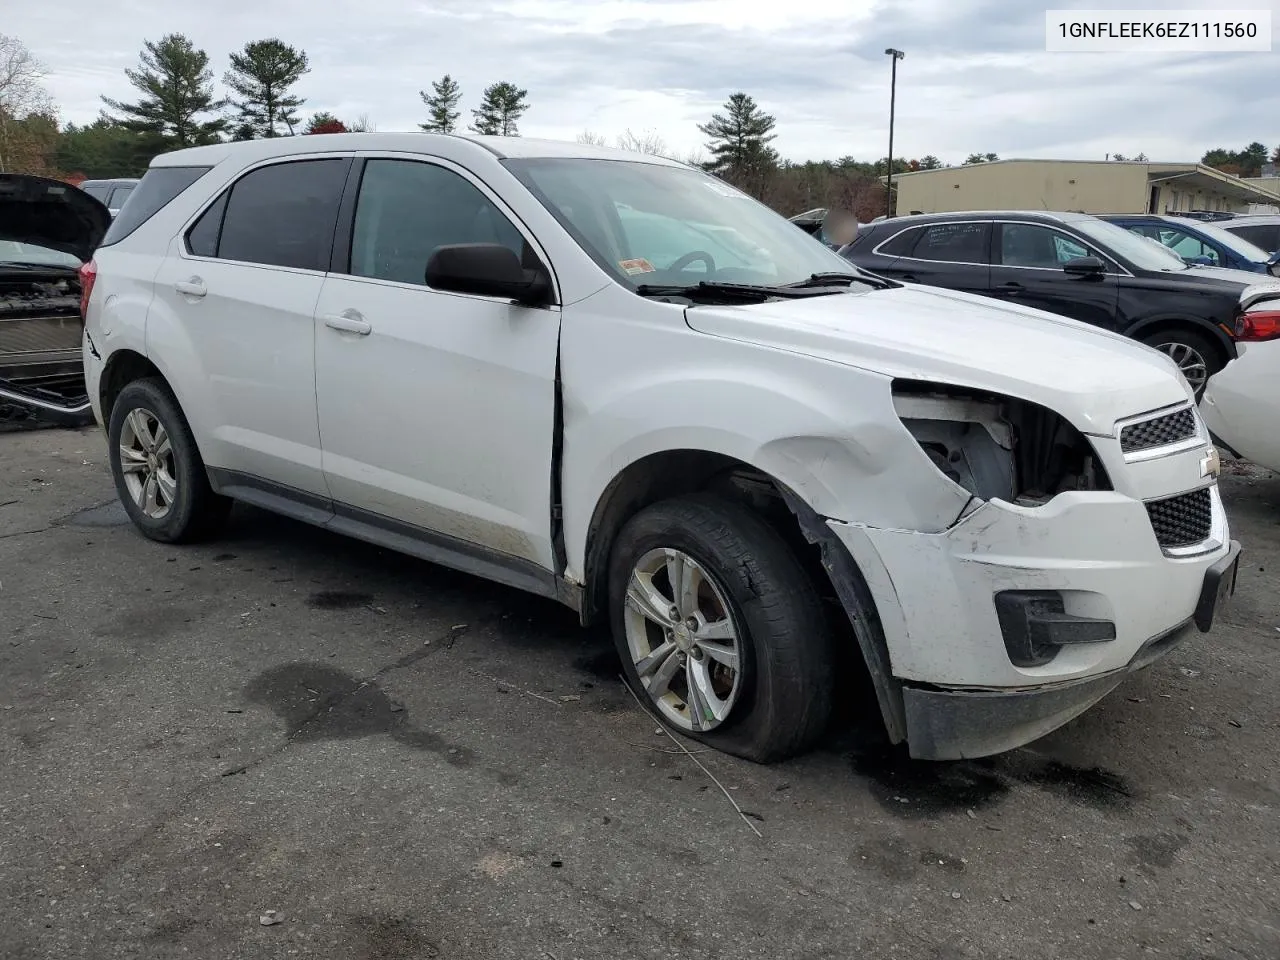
(1142, 252)
(11, 251)
(1233, 242)
(648, 224)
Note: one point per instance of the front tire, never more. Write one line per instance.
(720, 630)
(159, 474)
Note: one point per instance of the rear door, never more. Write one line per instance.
(1264, 235)
(952, 254)
(240, 288)
(1028, 270)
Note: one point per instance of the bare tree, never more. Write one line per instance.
(590, 139)
(362, 125)
(21, 91)
(649, 142)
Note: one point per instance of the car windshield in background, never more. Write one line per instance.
(1234, 242)
(650, 224)
(1140, 251)
(13, 252)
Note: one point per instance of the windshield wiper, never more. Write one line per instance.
(837, 279)
(734, 292)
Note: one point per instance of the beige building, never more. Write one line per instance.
(1087, 186)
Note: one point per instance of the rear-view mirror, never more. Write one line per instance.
(488, 270)
(1085, 267)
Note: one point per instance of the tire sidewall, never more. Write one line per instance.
(186, 462)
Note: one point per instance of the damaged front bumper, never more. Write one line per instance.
(1110, 601)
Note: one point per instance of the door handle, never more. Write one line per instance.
(191, 288)
(1011, 287)
(908, 277)
(349, 322)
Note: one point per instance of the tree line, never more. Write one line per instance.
(178, 106)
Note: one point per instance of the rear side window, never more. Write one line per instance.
(97, 190)
(156, 189)
(954, 243)
(283, 215)
(902, 244)
(202, 238)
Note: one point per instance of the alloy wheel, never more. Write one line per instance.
(682, 640)
(146, 462)
(1190, 361)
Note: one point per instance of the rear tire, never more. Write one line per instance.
(160, 477)
(745, 600)
(1198, 357)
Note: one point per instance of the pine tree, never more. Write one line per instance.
(177, 87)
(740, 137)
(261, 75)
(442, 105)
(930, 162)
(500, 110)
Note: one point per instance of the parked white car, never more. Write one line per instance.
(454, 347)
(1241, 404)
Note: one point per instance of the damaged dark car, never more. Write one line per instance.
(48, 230)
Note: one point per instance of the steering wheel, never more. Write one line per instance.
(693, 257)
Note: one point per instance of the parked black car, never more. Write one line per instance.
(1070, 264)
(48, 229)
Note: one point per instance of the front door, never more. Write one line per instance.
(436, 409)
(1027, 270)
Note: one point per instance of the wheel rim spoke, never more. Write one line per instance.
(654, 660)
(150, 496)
(132, 460)
(685, 578)
(168, 487)
(705, 708)
(163, 445)
(645, 599)
(722, 653)
(660, 684)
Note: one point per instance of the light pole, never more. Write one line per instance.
(893, 90)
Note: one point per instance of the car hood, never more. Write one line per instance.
(1089, 376)
(50, 213)
(1243, 278)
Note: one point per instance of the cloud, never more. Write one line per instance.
(976, 76)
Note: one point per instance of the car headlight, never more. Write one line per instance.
(997, 447)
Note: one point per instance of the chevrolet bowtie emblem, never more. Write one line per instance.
(1211, 466)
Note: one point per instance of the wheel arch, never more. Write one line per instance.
(1146, 327)
(660, 476)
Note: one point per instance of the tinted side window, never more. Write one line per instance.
(902, 244)
(97, 190)
(1266, 236)
(953, 243)
(202, 238)
(157, 188)
(406, 209)
(1033, 245)
(283, 215)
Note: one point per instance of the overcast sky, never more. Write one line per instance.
(976, 77)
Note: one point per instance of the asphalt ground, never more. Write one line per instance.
(404, 762)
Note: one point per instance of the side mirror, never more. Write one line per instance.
(1084, 267)
(488, 270)
(1201, 261)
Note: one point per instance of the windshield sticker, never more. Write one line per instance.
(638, 265)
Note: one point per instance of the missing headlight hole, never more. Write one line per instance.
(998, 447)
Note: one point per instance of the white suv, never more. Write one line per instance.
(617, 381)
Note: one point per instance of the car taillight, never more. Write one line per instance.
(1258, 325)
(88, 274)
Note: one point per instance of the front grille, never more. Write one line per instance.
(1183, 520)
(1158, 431)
